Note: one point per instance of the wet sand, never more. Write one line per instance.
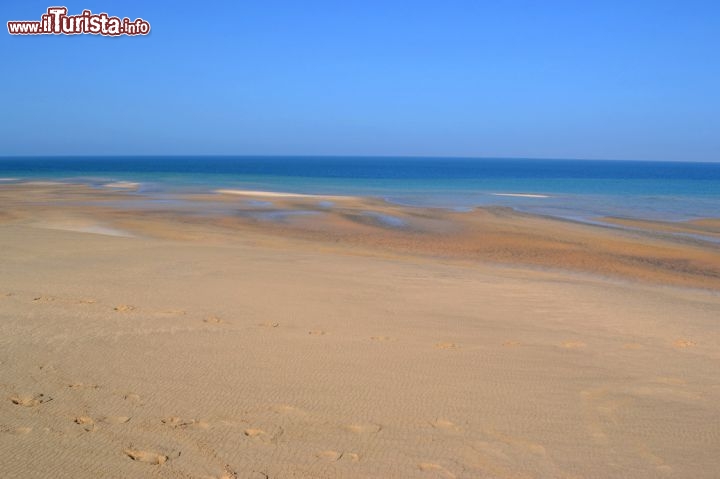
(227, 338)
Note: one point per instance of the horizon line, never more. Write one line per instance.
(422, 157)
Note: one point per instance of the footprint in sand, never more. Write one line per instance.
(446, 345)
(180, 423)
(287, 409)
(683, 344)
(335, 456)
(46, 367)
(83, 386)
(229, 473)
(670, 381)
(368, 428)
(30, 401)
(114, 419)
(133, 398)
(263, 436)
(573, 345)
(329, 455)
(317, 332)
(18, 431)
(43, 299)
(664, 470)
(124, 308)
(444, 424)
(213, 320)
(148, 457)
(86, 422)
(172, 312)
(602, 408)
(436, 468)
(537, 449)
(381, 338)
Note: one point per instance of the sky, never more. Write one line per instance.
(551, 79)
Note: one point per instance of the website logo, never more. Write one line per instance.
(57, 22)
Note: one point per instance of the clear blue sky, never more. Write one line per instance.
(574, 79)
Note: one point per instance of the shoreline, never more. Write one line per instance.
(654, 252)
(588, 207)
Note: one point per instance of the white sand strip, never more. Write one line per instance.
(86, 228)
(521, 195)
(276, 194)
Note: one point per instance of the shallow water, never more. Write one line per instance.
(564, 188)
(276, 215)
(386, 220)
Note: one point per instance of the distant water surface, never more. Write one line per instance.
(578, 189)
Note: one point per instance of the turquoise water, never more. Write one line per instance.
(576, 189)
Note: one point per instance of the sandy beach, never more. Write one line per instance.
(307, 337)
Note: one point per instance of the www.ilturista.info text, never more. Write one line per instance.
(57, 22)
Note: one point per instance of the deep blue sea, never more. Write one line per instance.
(577, 189)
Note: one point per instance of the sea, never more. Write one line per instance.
(580, 190)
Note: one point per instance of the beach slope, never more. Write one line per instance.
(223, 348)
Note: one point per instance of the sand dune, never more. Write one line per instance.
(223, 348)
